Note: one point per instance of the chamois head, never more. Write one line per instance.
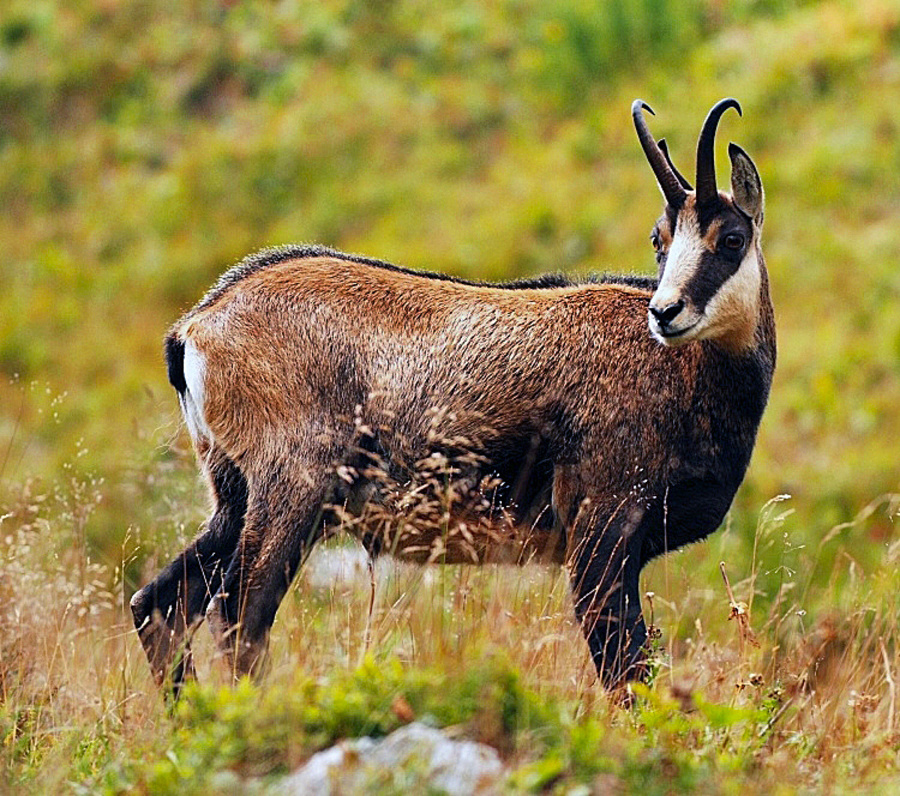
(707, 243)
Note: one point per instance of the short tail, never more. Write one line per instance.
(175, 363)
(187, 369)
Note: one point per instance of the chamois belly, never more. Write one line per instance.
(455, 506)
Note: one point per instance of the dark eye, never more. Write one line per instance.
(655, 242)
(733, 241)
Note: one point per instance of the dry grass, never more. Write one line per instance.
(771, 663)
(816, 664)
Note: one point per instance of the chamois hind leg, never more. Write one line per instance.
(175, 602)
(604, 569)
(284, 520)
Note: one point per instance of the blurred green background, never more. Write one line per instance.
(147, 146)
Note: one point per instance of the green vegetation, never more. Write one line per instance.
(144, 147)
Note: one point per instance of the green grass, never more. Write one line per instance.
(146, 147)
(801, 697)
(142, 153)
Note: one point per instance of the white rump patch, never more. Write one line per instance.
(192, 400)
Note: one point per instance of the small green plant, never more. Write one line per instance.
(260, 733)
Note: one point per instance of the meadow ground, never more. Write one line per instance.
(792, 693)
(145, 147)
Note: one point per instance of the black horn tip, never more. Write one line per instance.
(706, 169)
(668, 181)
(729, 102)
(638, 105)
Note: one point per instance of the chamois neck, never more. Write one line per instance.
(752, 323)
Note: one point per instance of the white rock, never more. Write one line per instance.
(344, 566)
(414, 758)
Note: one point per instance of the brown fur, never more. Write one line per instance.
(322, 369)
(418, 345)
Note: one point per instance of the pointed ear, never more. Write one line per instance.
(746, 186)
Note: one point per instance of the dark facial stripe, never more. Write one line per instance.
(672, 217)
(713, 272)
(707, 212)
(717, 262)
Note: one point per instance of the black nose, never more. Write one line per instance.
(668, 314)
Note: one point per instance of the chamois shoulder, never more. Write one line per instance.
(277, 255)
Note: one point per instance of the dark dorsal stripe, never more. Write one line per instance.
(279, 254)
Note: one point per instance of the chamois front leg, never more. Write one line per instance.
(284, 520)
(604, 568)
(165, 610)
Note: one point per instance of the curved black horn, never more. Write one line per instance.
(664, 148)
(671, 187)
(706, 166)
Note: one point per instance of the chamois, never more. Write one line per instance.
(611, 418)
